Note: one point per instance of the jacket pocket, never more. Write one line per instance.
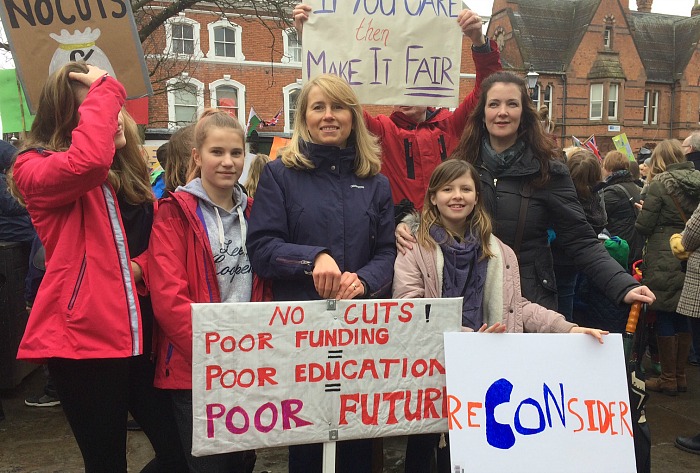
(78, 284)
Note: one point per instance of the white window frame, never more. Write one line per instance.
(613, 100)
(238, 30)
(548, 90)
(596, 100)
(172, 123)
(535, 96)
(286, 91)
(288, 54)
(655, 108)
(647, 103)
(241, 96)
(608, 37)
(196, 32)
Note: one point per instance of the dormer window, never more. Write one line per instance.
(608, 37)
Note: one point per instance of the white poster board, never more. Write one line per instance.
(392, 52)
(538, 402)
(285, 373)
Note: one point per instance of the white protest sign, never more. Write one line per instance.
(283, 373)
(392, 52)
(538, 402)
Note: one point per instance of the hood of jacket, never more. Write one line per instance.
(682, 181)
(431, 115)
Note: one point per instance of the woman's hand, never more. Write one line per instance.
(136, 272)
(640, 294)
(498, 327)
(471, 26)
(326, 276)
(594, 332)
(350, 286)
(300, 15)
(404, 238)
(94, 73)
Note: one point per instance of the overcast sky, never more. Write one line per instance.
(670, 7)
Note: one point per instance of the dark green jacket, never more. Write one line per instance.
(658, 220)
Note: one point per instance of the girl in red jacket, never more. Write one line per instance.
(197, 254)
(85, 183)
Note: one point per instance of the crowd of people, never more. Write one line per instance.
(476, 203)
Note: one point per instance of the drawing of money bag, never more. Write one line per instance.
(79, 46)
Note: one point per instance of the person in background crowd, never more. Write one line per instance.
(415, 139)
(689, 302)
(673, 194)
(526, 191)
(691, 148)
(158, 172)
(322, 226)
(85, 183)
(586, 175)
(197, 254)
(458, 256)
(620, 195)
(256, 167)
(179, 157)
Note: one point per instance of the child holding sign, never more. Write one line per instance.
(451, 260)
(197, 254)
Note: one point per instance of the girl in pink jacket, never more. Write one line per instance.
(451, 260)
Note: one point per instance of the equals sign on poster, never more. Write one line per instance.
(335, 353)
(333, 387)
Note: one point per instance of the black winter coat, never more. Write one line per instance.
(554, 206)
(622, 214)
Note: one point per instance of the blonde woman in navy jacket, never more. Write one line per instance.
(322, 224)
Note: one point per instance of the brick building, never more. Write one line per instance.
(604, 69)
(235, 61)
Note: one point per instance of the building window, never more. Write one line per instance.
(291, 95)
(185, 101)
(651, 107)
(229, 95)
(596, 112)
(225, 40)
(608, 37)
(292, 46)
(536, 96)
(182, 37)
(613, 93)
(547, 99)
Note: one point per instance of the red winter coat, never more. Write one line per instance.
(181, 271)
(87, 306)
(411, 151)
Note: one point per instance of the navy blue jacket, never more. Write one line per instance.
(298, 214)
(15, 224)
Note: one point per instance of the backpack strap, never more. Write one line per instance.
(630, 199)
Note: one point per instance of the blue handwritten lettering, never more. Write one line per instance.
(386, 61)
(343, 69)
(526, 430)
(327, 9)
(549, 394)
(498, 435)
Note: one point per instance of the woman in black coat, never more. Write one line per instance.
(527, 191)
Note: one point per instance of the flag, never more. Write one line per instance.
(253, 122)
(591, 144)
(576, 141)
(274, 119)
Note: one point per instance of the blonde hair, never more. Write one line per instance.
(479, 219)
(368, 157)
(58, 115)
(667, 152)
(211, 118)
(616, 161)
(256, 168)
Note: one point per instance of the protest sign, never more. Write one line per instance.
(14, 112)
(622, 144)
(538, 402)
(45, 35)
(391, 52)
(285, 373)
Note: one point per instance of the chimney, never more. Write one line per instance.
(644, 6)
(696, 9)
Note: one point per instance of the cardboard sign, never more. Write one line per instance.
(391, 52)
(14, 112)
(45, 35)
(285, 373)
(538, 402)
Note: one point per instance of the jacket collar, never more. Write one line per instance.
(325, 157)
(431, 115)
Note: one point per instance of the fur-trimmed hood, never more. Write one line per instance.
(682, 181)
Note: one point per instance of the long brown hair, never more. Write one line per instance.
(254, 172)
(368, 160)
(667, 152)
(530, 130)
(179, 154)
(479, 219)
(585, 171)
(58, 115)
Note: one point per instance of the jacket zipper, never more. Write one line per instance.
(78, 283)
